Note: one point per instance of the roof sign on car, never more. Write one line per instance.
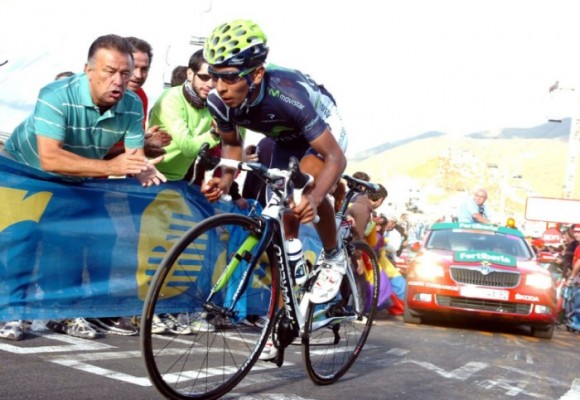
(475, 226)
(484, 256)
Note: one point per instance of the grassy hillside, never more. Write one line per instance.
(444, 169)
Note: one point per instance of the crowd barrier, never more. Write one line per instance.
(90, 248)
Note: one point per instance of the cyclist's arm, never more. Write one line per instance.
(232, 148)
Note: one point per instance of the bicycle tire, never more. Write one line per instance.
(206, 364)
(329, 352)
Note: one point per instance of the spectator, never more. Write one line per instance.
(474, 209)
(394, 238)
(380, 227)
(183, 112)
(363, 205)
(574, 268)
(155, 138)
(338, 195)
(65, 135)
(178, 75)
(53, 138)
(62, 75)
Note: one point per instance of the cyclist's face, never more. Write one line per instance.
(233, 89)
(109, 73)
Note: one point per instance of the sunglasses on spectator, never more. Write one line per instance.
(229, 77)
(203, 77)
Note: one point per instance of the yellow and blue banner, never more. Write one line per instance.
(90, 248)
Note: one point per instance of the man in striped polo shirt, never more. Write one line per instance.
(78, 119)
(75, 122)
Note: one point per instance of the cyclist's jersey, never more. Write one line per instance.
(291, 108)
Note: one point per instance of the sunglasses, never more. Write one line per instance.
(229, 77)
(203, 77)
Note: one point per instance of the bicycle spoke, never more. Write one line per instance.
(207, 348)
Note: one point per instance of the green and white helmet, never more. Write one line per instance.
(239, 43)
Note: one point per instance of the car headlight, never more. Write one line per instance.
(539, 281)
(428, 269)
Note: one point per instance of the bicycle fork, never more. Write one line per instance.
(249, 251)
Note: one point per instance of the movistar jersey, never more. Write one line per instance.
(291, 108)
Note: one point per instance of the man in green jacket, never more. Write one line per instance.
(183, 113)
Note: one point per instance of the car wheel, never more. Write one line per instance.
(543, 332)
(407, 316)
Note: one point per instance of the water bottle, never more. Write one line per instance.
(297, 262)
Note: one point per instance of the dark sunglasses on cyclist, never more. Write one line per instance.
(203, 77)
(229, 77)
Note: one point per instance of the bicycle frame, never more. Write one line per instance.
(211, 362)
(272, 232)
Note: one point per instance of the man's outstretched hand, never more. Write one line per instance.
(151, 176)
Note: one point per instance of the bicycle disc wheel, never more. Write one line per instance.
(195, 348)
(336, 332)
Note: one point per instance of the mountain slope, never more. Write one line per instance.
(444, 169)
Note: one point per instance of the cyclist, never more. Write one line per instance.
(298, 114)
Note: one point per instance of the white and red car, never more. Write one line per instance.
(483, 271)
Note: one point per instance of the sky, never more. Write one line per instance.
(396, 68)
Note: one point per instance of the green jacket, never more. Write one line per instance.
(188, 126)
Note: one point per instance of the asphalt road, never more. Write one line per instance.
(441, 360)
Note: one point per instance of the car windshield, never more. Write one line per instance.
(462, 240)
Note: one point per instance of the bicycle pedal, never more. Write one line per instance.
(311, 279)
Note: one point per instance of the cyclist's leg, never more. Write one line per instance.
(332, 262)
(331, 144)
(313, 164)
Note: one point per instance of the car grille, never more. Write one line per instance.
(484, 305)
(473, 276)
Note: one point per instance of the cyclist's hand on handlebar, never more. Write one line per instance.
(212, 190)
(306, 210)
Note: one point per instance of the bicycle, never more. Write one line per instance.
(231, 266)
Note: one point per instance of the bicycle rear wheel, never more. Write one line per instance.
(336, 332)
(211, 345)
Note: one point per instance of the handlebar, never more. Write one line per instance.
(299, 179)
(355, 184)
(270, 176)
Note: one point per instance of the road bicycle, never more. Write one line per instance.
(231, 268)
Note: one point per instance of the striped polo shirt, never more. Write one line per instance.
(66, 112)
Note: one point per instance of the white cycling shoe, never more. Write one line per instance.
(329, 277)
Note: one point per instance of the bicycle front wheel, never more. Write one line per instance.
(197, 344)
(336, 332)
